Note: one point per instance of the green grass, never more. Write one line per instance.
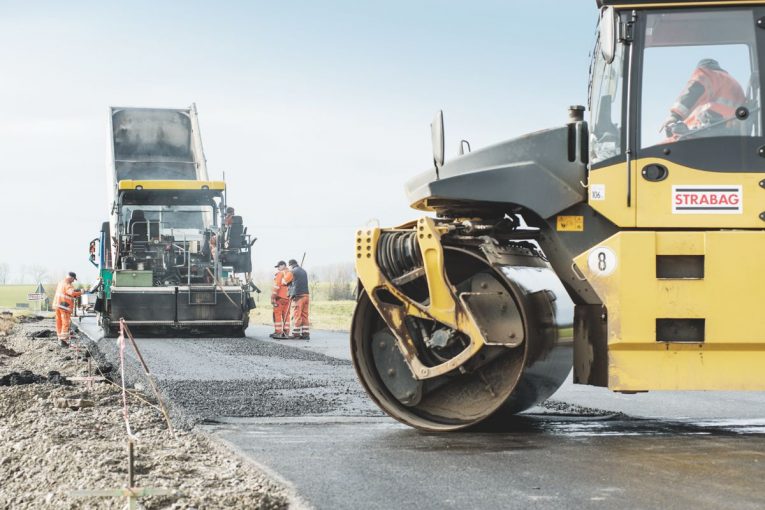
(324, 314)
(328, 315)
(318, 290)
(10, 295)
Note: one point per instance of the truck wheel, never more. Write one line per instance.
(109, 330)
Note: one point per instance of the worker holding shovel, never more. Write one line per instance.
(298, 292)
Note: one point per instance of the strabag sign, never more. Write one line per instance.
(713, 199)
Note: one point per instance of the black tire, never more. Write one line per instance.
(109, 330)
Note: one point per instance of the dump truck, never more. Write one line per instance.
(627, 246)
(170, 259)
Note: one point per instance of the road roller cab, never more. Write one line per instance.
(626, 246)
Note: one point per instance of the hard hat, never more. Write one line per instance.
(708, 62)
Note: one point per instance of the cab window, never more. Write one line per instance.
(606, 106)
(700, 77)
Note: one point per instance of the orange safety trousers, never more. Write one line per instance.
(300, 315)
(63, 323)
(281, 316)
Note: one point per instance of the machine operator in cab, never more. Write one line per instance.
(708, 102)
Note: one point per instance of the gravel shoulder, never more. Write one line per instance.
(47, 452)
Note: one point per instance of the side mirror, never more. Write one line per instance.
(437, 136)
(92, 249)
(608, 21)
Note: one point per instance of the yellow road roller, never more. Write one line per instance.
(627, 245)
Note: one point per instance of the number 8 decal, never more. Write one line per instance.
(601, 261)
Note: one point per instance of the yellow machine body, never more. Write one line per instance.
(724, 297)
(652, 202)
(176, 184)
(679, 279)
(724, 302)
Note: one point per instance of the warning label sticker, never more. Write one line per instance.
(718, 199)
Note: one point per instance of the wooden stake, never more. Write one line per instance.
(131, 493)
(131, 459)
(151, 381)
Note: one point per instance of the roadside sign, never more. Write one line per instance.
(35, 296)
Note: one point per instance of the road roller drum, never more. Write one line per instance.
(510, 299)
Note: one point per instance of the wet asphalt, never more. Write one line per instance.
(297, 408)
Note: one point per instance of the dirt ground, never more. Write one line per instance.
(47, 452)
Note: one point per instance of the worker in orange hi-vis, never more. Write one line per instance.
(707, 104)
(280, 301)
(63, 303)
(298, 292)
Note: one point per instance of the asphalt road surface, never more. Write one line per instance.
(296, 408)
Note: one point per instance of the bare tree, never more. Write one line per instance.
(38, 273)
(341, 279)
(313, 284)
(5, 271)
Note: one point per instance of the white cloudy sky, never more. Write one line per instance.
(318, 112)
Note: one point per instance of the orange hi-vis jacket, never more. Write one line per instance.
(722, 95)
(64, 297)
(288, 277)
(280, 283)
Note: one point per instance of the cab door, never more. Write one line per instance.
(700, 151)
(611, 179)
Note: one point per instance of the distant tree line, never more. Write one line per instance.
(333, 282)
(33, 273)
(341, 279)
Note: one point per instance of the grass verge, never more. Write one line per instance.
(331, 315)
(11, 295)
